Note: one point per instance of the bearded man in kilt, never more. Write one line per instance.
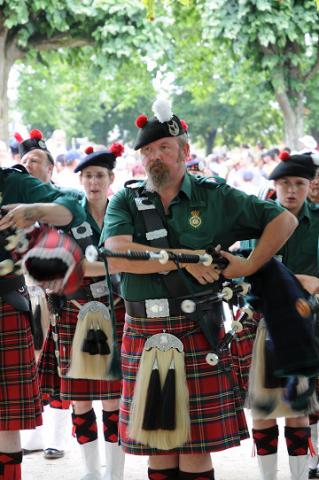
(175, 407)
(24, 200)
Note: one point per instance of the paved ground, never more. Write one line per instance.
(235, 464)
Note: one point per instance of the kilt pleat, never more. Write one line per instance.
(71, 388)
(48, 367)
(20, 399)
(216, 409)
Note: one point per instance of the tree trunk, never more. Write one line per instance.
(315, 133)
(210, 140)
(9, 53)
(293, 118)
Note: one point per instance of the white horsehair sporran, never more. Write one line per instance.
(268, 403)
(93, 321)
(159, 416)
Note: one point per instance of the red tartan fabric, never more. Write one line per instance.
(241, 350)
(20, 399)
(69, 388)
(48, 368)
(217, 418)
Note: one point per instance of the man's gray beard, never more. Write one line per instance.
(157, 180)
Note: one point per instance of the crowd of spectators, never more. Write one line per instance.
(245, 167)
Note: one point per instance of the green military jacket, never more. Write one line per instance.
(20, 187)
(203, 214)
(95, 229)
(301, 252)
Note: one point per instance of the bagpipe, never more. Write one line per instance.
(273, 291)
(54, 260)
(194, 304)
(51, 258)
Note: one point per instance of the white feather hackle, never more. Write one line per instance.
(315, 158)
(162, 110)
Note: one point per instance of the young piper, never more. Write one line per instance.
(292, 178)
(83, 318)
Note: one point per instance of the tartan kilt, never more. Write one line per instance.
(70, 388)
(216, 410)
(49, 378)
(241, 348)
(20, 399)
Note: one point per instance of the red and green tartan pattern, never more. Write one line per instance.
(20, 399)
(216, 410)
(70, 388)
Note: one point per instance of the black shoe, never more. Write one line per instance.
(313, 473)
(25, 451)
(52, 453)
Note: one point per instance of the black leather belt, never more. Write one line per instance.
(171, 307)
(13, 291)
(9, 284)
(142, 309)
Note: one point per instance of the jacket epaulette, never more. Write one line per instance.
(314, 207)
(209, 181)
(15, 168)
(133, 184)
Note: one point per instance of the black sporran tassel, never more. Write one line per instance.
(151, 420)
(102, 345)
(168, 417)
(36, 327)
(90, 344)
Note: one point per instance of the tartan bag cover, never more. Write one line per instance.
(55, 262)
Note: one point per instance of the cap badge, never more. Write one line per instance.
(42, 144)
(195, 220)
(173, 128)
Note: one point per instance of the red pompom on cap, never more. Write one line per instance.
(284, 155)
(141, 121)
(36, 134)
(18, 137)
(184, 125)
(89, 150)
(117, 149)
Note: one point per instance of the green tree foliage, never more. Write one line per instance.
(83, 99)
(218, 95)
(280, 38)
(114, 29)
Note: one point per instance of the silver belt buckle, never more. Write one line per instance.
(99, 289)
(157, 307)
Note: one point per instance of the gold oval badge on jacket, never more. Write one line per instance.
(195, 220)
